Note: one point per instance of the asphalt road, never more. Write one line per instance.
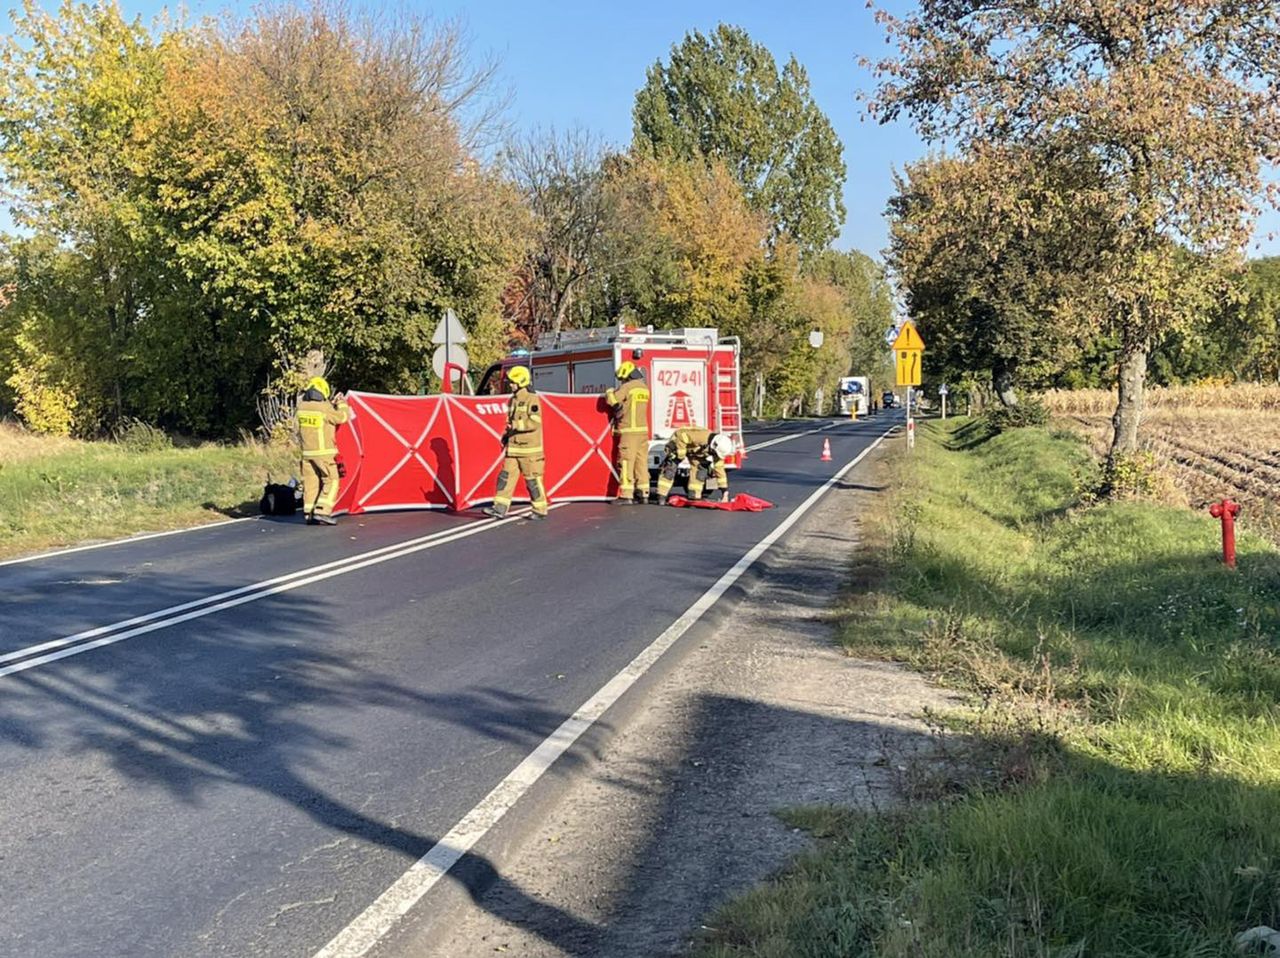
(244, 774)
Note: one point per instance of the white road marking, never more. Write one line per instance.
(198, 608)
(66, 646)
(795, 435)
(375, 921)
(124, 542)
(129, 540)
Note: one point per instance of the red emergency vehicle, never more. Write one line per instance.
(693, 375)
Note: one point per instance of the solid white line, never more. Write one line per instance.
(208, 599)
(240, 596)
(225, 522)
(124, 542)
(375, 921)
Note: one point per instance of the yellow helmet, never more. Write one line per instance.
(319, 383)
(626, 369)
(519, 376)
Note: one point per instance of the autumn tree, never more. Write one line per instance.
(867, 308)
(561, 177)
(681, 243)
(721, 97)
(209, 203)
(77, 90)
(991, 264)
(1173, 104)
(318, 179)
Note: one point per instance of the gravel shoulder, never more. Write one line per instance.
(676, 814)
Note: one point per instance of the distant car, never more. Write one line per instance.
(888, 400)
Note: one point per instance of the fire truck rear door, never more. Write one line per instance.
(679, 388)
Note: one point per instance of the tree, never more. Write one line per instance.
(682, 242)
(209, 204)
(1172, 103)
(77, 90)
(990, 263)
(562, 180)
(722, 98)
(868, 309)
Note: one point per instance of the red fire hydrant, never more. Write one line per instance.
(1226, 510)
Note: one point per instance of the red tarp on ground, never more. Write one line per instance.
(742, 502)
(444, 452)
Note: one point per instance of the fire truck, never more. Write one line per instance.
(693, 374)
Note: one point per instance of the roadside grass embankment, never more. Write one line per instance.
(60, 492)
(1112, 787)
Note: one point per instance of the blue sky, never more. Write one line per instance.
(580, 63)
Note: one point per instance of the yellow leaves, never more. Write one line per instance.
(44, 400)
(701, 216)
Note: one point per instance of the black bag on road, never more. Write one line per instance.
(278, 499)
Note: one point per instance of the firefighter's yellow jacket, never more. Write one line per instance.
(631, 400)
(524, 423)
(691, 442)
(318, 422)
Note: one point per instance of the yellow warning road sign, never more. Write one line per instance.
(909, 366)
(908, 347)
(908, 337)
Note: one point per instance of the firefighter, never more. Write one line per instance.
(523, 441)
(318, 420)
(706, 452)
(630, 404)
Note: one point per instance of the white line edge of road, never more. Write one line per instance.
(371, 925)
(244, 595)
(129, 540)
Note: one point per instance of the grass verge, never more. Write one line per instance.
(63, 492)
(1114, 790)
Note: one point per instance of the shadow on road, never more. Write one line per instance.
(264, 711)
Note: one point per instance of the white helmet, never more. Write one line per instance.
(722, 446)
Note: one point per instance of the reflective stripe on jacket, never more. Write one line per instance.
(524, 423)
(318, 422)
(691, 442)
(631, 402)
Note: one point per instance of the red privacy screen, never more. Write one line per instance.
(444, 452)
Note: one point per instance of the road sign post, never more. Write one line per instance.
(908, 349)
(942, 392)
(449, 336)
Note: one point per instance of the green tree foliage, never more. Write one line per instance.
(1240, 339)
(77, 92)
(990, 264)
(687, 249)
(722, 97)
(1170, 105)
(231, 197)
(683, 241)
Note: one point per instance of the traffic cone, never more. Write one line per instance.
(826, 450)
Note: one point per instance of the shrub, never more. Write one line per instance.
(46, 406)
(1138, 476)
(1029, 412)
(138, 436)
